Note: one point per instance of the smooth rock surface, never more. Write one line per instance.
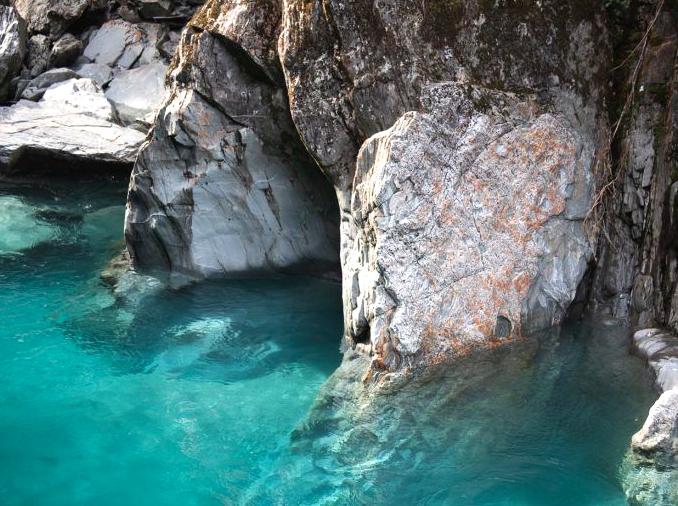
(137, 93)
(122, 44)
(223, 187)
(37, 86)
(72, 123)
(12, 47)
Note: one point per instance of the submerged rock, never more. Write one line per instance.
(20, 228)
(73, 123)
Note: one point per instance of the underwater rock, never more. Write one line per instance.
(20, 228)
(72, 123)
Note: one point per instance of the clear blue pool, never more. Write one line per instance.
(190, 396)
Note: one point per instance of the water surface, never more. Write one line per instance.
(190, 396)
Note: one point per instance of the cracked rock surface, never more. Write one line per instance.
(467, 226)
(73, 123)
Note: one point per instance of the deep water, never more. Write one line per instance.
(190, 396)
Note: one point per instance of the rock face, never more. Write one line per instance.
(467, 226)
(36, 131)
(224, 186)
(651, 467)
(637, 275)
(12, 47)
(435, 258)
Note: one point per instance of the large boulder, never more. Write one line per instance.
(137, 93)
(466, 226)
(50, 17)
(425, 276)
(12, 47)
(224, 187)
(71, 126)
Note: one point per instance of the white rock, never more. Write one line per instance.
(12, 46)
(72, 122)
(81, 95)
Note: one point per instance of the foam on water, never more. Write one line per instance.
(207, 394)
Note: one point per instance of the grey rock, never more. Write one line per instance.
(12, 48)
(224, 187)
(39, 51)
(137, 93)
(65, 50)
(97, 72)
(123, 44)
(38, 85)
(154, 8)
(640, 223)
(72, 123)
(50, 17)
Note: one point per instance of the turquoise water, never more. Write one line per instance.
(191, 396)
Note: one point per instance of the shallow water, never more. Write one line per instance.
(190, 396)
